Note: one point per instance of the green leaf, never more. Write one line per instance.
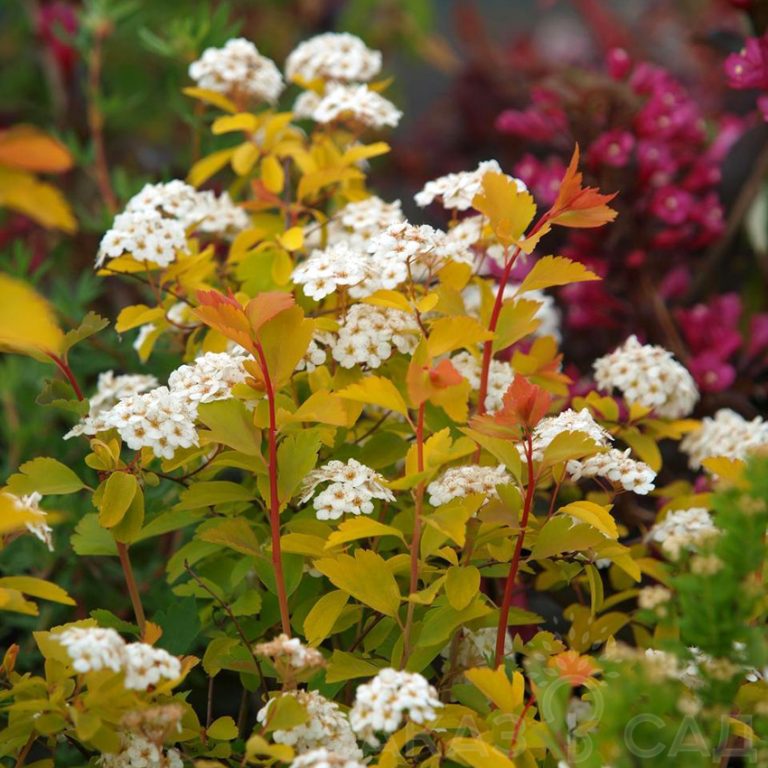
(285, 712)
(230, 423)
(212, 492)
(115, 497)
(441, 621)
(567, 446)
(344, 666)
(356, 528)
(234, 533)
(296, 458)
(90, 538)
(451, 518)
(58, 394)
(180, 624)
(222, 729)
(91, 324)
(46, 476)
(462, 583)
(129, 528)
(503, 450)
(517, 320)
(320, 620)
(365, 577)
(108, 620)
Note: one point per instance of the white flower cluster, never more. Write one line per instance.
(324, 271)
(327, 726)
(616, 466)
(381, 705)
(477, 647)
(548, 314)
(653, 597)
(140, 752)
(30, 504)
(291, 651)
(238, 68)
(456, 191)
(316, 354)
(350, 103)
(650, 376)
(322, 758)
(154, 224)
(355, 224)
(163, 419)
(110, 389)
(725, 434)
(567, 421)
(369, 335)
(683, 529)
(351, 490)
(333, 56)
(500, 376)
(458, 482)
(95, 648)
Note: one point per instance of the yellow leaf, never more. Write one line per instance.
(324, 407)
(477, 753)
(555, 270)
(320, 620)
(117, 493)
(365, 577)
(359, 152)
(508, 210)
(392, 299)
(593, 514)
(12, 518)
(35, 587)
(292, 239)
(517, 320)
(136, 315)
(27, 322)
(505, 694)
(207, 166)
(449, 333)
(272, 175)
(376, 390)
(244, 158)
(427, 303)
(37, 199)
(356, 528)
(211, 97)
(242, 121)
(462, 583)
(731, 470)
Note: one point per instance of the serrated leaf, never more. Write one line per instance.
(46, 476)
(91, 324)
(376, 390)
(593, 514)
(230, 423)
(90, 538)
(550, 271)
(449, 333)
(559, 534)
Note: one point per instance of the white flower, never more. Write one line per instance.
(650, 376)
(500, 376)
(477, 647)
(351, 490)
(683, 529)
(238, 67)
(93, 648)
(456, 191)
(316, 354)
(617, 467)
(326, 727)
(111, 388)
(324, 271)
(145, 235)
(30, 503)
(652, 597)
(322, 758)
(358, 104)
(382, 704)
(211, 377)
(140, 752)
(725, 434)
(333, 56)
(369, 335)
(567, 421)
(145, 666)
(291, 651)
(458, 482)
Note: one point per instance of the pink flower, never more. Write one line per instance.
(711, 373)
(612, 148)
(758, 335)
(618, 63)
(672, 205)
(749, 67)
(541, 177)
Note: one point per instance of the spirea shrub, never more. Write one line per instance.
(383, 531)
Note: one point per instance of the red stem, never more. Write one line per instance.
(514, 565)
(133, 589)
(519, 723)
(416, 538)
(62, 365)
(274, 501)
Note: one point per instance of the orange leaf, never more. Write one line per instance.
(573, 668)
(578, 206)
(225, 315)
(26, 148)
(524, 405)
(444, 375)
(267, 305)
